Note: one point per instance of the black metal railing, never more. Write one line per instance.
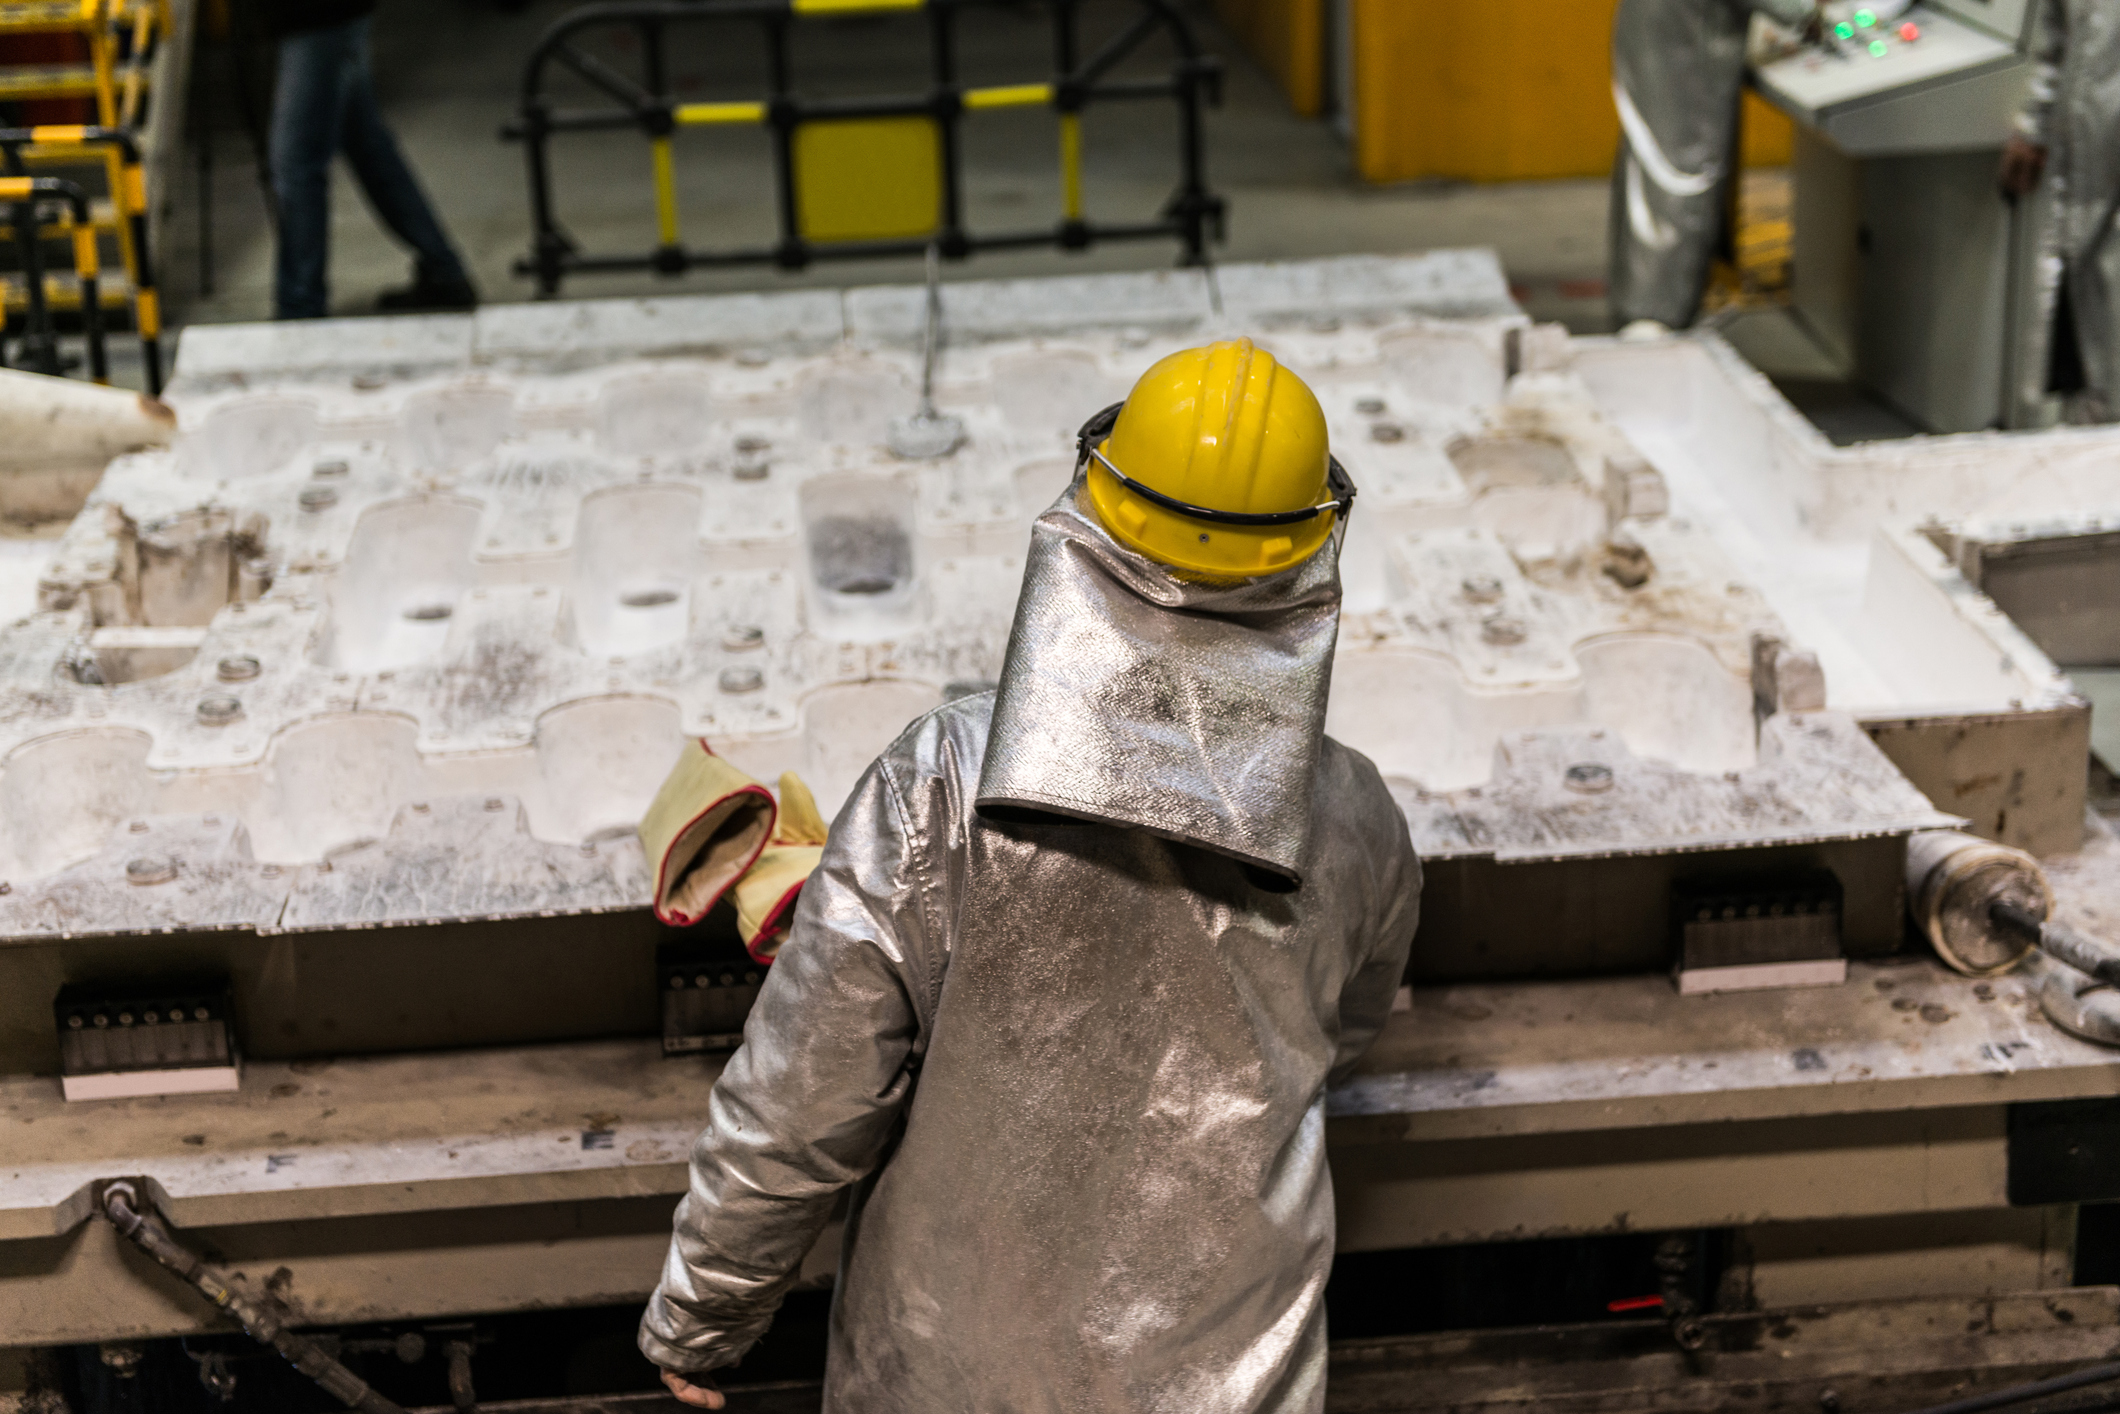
(1192, 215)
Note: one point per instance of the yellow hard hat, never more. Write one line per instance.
(1217, 463)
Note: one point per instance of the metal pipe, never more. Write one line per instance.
(137, 1222)
(461, 1392)
(2018, 1394)
(931, 335)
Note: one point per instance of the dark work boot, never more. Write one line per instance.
(429, 296)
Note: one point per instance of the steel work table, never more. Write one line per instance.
(456, 1182)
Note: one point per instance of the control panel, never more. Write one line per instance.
(1873, 53)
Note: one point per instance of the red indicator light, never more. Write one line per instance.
(1634, 1303)
(1910, 31)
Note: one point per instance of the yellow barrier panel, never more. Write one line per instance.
(697, 114)
(868, 179)
(58, 132)
(848, 7)
(14, 188)
(147, 311)
(1020, 95)
(1071, 165)
(665, 192)
(85, 252)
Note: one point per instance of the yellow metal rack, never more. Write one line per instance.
(121, 38)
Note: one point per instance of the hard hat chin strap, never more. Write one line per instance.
(1337, 482)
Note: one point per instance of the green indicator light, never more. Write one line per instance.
(1878, 48)
(1865, 18)
(1844, 30)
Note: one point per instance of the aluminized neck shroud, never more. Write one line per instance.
(1135, 696)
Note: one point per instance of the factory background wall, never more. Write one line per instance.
(1287, 38)
(1512, 90)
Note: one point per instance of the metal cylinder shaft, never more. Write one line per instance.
(1956, 881)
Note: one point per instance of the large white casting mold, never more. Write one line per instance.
(1857, 550)
(485, 575)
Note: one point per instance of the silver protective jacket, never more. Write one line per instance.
(1072, 1071)
(2074, 112)
(1678, 69)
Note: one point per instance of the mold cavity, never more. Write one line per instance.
(847, 726)
(648, 598)
(1529, 495)
(1446, 367)
(1054, 393)
(661, 415)
(172, 576)
(860, 554)
(407, 565)
(542, 482)
(854, 402)
(636, 555)
(133, 654)
(62, 796)
(451, 428)
(1039, 484)
(1412, 714)
(246, 439)
(1490, 462)
(1671, 700)
(186, 566)
(334, 782)
(858, 538)
(601, 762)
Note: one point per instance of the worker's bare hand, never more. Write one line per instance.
(696, 1391)
(2023, 163)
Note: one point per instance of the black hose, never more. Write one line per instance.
(138, 1223)
(2018, 1394)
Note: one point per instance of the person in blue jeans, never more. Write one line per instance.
(324, 103)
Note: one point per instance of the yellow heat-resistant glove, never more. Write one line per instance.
(709, 823)
(765, 896)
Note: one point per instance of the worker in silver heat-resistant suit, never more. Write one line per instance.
(1678, 69)
(2069, 131)
(1062, 1000)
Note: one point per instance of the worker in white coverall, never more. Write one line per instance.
(1678, 69)
(1062, 1000)
(2069, 132)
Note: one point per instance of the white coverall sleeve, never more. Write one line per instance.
(809, 1103)
(1365, 1003)
(2049, 47)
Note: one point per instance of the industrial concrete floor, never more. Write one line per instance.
(449, 74)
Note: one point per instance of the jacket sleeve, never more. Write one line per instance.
(1791, 13)
(808, 1104)
(1365, 1003)
(2035, 120)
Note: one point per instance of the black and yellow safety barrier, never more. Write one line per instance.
(129, 201)
(41, 342)
(856, 177)
(120, 38)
